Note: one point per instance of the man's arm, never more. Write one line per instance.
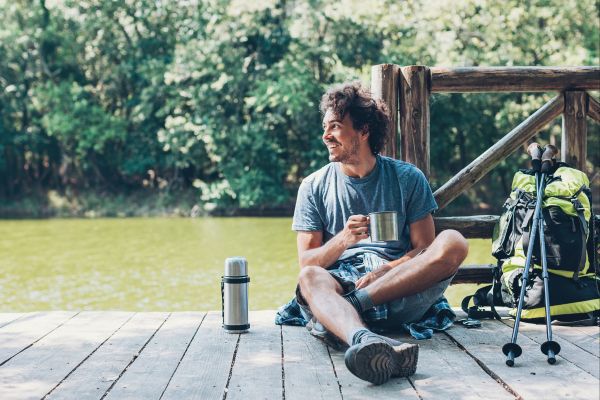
(312, 251)
(422, 234)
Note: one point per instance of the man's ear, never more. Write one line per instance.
(364, 133)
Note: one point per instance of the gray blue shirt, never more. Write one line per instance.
(328, 197)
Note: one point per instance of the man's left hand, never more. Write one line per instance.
(372, 276)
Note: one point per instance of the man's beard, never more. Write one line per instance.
(348, 155)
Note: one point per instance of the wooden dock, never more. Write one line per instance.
(186, 355)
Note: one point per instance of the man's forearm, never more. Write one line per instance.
(325, 255)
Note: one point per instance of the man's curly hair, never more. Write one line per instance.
(364, 111)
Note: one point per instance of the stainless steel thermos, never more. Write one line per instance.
(234, 295)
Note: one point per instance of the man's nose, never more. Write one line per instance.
(327, 134)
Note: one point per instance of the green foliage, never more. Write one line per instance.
(220, 97)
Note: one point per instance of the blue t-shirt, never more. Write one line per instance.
(328, 197)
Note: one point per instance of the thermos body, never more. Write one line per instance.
(234, 292)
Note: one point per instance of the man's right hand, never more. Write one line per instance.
(356, 229)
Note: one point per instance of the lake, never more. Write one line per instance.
(152, 264)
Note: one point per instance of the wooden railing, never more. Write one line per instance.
(406, 91)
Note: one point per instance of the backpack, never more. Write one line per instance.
(571, 238)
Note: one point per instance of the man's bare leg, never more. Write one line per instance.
(324, 296)
(440, 261)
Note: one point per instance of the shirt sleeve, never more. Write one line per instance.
(306, 213)
(420, 200)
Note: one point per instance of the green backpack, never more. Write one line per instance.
(571, 249)
(571, 237)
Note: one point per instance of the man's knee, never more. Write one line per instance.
(453, 250)
(311, 277)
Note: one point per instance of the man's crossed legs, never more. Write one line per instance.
(373, 357)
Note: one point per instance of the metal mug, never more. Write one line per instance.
(383, 226)
(234, 295)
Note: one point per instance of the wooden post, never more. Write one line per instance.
(574, 129)
(384, 86)
(414, 115)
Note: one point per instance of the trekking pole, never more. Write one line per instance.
(549, 347)
(512, 350)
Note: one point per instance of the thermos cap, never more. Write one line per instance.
(236, 266)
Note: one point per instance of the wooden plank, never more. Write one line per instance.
(204, 370)
(257, 368)
(586, 338)
(7, 318)
(414, 115)
(384, 86)
(476, 170)
(574, 130)
(471, 227)
(593, 108)
(27, 330)
(306, 359)
(441, 362)
(33, 373)
(514, 79)
(152, 370)
(93, 378)
(355, 388)
(569, 350)
(531, 377)
(473, 274)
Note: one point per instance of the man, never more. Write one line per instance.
(346, 282)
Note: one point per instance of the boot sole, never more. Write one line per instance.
(377, 362)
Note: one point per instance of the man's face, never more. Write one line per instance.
(341, 139)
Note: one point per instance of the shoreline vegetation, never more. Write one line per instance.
(146, 203)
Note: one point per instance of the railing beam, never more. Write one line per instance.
(593, 109)
(574, 129)
(384, 86)
(514, 79)
(414, 115)
(476, 170)
(471, 227)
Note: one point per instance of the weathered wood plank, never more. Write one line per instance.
(514, 79)
(257, 369)
(471, 227)
(531, 377)
(441, 362)
(384, 86)
(574, 130)
(414, 115)
(93, 378)
(586, 338)
(20, 334)
(569, 350)
(7, 318)
(33, 373)
(593, 108)
(306, 359)
(473, 274)
(204, 370)
(149, 375)
(355, 388)
(476, 170)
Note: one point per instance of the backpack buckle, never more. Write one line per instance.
(577, 204)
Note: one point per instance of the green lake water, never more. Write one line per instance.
(152, 264)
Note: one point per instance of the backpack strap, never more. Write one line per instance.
(584, 233)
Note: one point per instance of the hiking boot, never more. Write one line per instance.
(378, 358)
(318, 331)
